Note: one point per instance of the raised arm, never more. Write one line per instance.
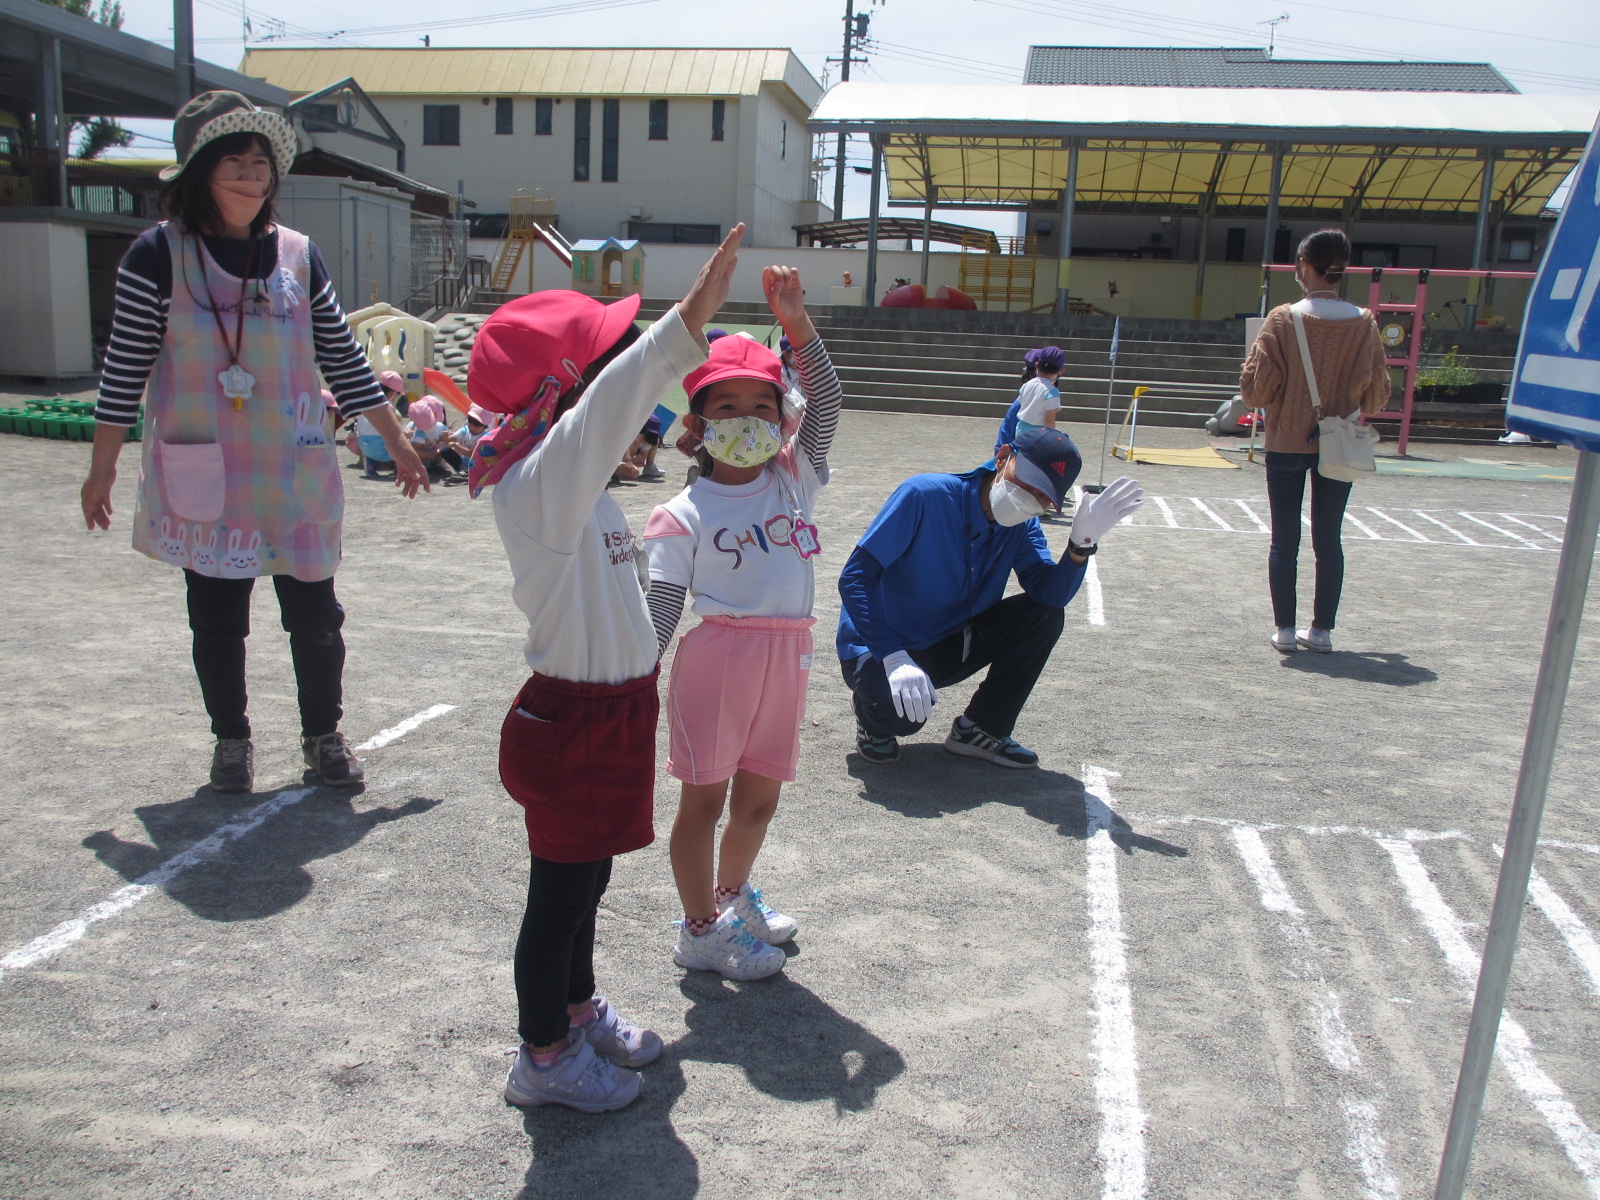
(818, 382)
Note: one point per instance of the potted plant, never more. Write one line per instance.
(1450, 379)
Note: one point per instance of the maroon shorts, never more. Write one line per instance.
(581, 760)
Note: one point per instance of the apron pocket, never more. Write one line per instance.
(194, 479)
(318, 490)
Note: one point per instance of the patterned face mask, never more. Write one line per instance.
(742, 441)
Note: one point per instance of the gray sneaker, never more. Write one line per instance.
(621, 1043)
(331, 757)
(1002, 751)
(579, 1078)
(233, 765)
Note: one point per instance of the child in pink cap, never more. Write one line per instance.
(740, 538)
(576, 380)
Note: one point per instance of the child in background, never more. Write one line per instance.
(1038, 399)
(577, 747)
(740, 539)
(373, 452)
(637, 456)
(430, 436)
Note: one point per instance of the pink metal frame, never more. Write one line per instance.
(1416, 308)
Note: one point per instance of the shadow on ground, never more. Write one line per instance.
(930, 782)
(259, 872)
(1393, 669)
(790, 1045)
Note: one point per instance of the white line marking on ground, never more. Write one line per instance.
(384, 737)
(1513, 1049)
(1407, 835)
(1166, 511)
(1446, 528)
(47, 946)
(1116, 1080)
(1096, 601)
(1504, 532)
(1201, 505)
(1568, 924)
(1250, 512)
(1529, 525)
(1584, 846)
(1366, 1145)
(1366, 529)
(1378, 512)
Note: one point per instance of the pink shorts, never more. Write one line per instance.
(737, 698)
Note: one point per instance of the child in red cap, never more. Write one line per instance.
(577, 749)
(740, 538)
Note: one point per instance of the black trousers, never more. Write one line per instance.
(219, 615)
(1013, 639)
(1286, 489)
(554, 965)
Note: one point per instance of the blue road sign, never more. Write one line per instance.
(1555, 389)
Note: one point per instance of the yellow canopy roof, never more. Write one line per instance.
(1376, 155)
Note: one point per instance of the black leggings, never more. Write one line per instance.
(219, 615)
(1286, 489)
(555, 950)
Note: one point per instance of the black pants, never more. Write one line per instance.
(1013, 639)
(219, 615)
(1286, 489)
(555, 950)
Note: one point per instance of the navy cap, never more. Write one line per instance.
(1048, 462)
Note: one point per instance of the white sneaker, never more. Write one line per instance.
(579, 1078)
(1313, 638)
(728, 948)
(619, 1042)
(769, 925)
(1283, 640)
(1514, 438)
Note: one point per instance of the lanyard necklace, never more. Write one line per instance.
(237, 383)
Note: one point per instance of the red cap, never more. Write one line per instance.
(554, 333)
(736, 357)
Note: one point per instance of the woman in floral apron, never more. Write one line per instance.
(222, 322)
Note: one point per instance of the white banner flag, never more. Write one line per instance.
(1116, 336)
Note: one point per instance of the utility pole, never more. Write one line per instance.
(855, 32)
(182, 52)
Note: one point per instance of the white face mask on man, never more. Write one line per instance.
(1010, 504)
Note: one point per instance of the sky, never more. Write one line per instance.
(1541, 46)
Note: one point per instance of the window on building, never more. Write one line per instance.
(719, 113)
(502, 115)
(580, 141)
(1374, 254)
(319, 118)
(783, 139)
(610, 131)
(441, 124)
(543, 115)
(1234, 250)
(658, 120)
(1516, 245)
(662, 231)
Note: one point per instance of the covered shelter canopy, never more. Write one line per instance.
(856, 230)
(1300, 152)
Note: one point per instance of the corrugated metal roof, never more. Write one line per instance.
(1248, 67)
(536, 72)
(1392, 154)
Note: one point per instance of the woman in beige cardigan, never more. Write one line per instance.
(1347, 357)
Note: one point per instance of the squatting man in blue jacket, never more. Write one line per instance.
(922, 605)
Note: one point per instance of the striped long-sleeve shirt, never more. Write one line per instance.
(139, 324)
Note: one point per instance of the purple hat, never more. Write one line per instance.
(1047, 461)
(1049, 358)
(714, 333)
(652, 430)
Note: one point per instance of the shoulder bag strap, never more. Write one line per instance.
(1305, 361)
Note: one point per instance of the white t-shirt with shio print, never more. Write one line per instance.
(1039, 397)
(732, 545)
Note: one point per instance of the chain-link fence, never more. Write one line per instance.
(438, 264)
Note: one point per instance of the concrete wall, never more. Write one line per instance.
(44, 310)
(362, 230)
(686, 179)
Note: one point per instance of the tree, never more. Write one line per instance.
(98, 134)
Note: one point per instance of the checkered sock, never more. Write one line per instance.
(699, 926)
(727, 893)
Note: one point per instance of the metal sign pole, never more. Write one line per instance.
(1105, 428)
(1522, 838)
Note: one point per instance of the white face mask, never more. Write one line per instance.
(1012, 505)
(742, 441)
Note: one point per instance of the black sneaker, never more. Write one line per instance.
(975, 743)
(332, 759)
(876, 749)
(233, 765)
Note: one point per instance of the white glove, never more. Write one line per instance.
(1097, 514)
(910, 686)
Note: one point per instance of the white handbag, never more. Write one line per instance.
(1344, 445)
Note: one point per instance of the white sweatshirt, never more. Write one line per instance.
(569, 545)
